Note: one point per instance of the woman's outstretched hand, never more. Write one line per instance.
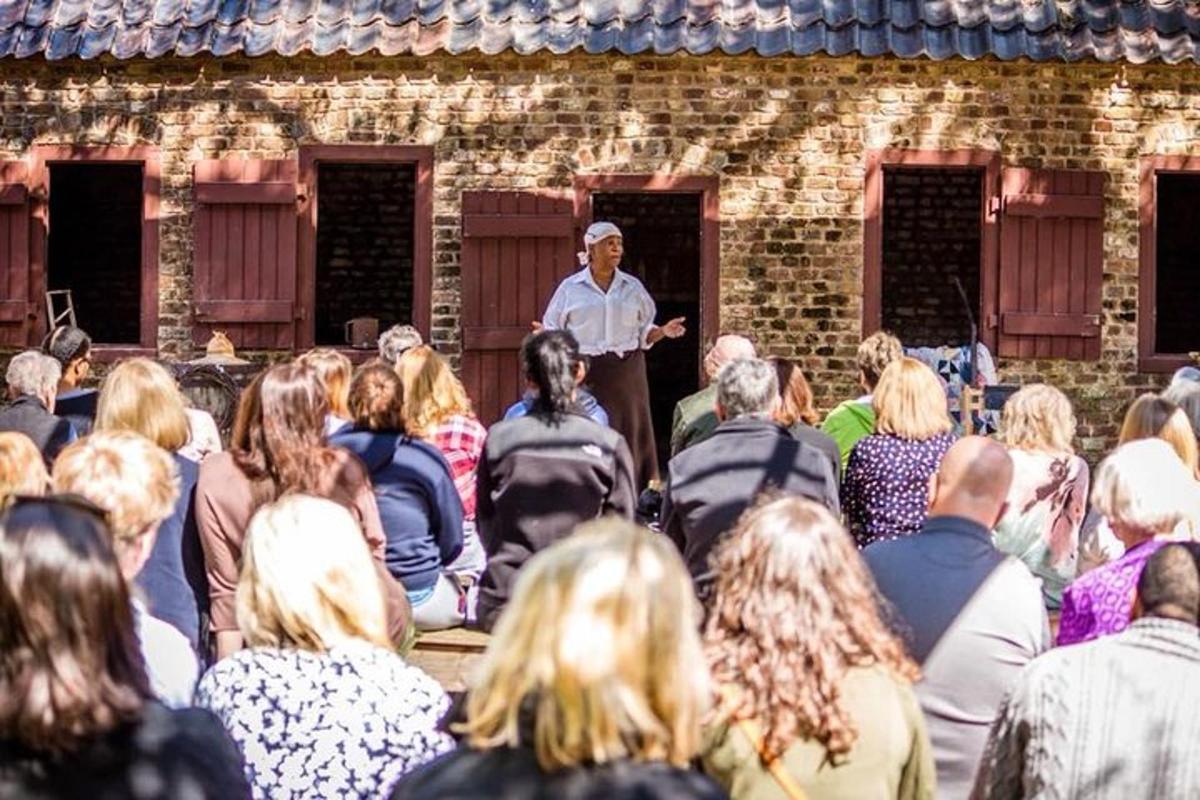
(674, 329)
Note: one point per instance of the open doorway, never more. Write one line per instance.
(1176, 236)
(365, 245)
(94, 245)
(932, 236)
(663, 248)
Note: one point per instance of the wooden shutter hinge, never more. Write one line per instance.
(995, 205)
(299, 312)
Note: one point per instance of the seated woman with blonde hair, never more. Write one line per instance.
(886, 486)
(1148, 417)
(334, 371)
(140, 396)
(1147, 497)
(437, 409)
(593, 685)
(816, 693)
(1048, 496)
(22, 470)
(320, 705)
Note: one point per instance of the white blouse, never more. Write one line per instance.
(617, 321)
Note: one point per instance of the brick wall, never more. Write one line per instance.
(787, 136)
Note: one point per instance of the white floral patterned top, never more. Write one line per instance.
(346, 723)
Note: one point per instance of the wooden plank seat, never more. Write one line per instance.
(449, 655)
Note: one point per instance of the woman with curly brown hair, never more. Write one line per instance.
(815, 694)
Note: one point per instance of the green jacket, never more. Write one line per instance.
(891, 760)
(695, 419)
(849, 422)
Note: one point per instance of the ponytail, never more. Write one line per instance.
(551, 361)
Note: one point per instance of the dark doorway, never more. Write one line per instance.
(1177, 238)
(95, 246)
(662, 248)
(365, 246)
(932, 232)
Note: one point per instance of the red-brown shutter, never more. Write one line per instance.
(1051, 263)
(516, 248)
(244, 279)
(17, 308)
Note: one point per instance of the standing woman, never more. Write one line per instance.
(612, 315)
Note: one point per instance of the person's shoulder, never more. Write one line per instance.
(1019, 581)
(656, 780)
(217, 464)
(883, 555)
(184, 728)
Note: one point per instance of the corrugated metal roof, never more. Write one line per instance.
(1137, 31)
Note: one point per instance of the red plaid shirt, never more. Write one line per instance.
(461, 441)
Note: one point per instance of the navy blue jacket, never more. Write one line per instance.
(173, 579)
(420, 509)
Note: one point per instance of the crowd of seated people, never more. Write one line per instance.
(864, 607)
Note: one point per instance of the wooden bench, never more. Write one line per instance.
(448, 656)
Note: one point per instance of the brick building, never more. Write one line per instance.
(798, 172)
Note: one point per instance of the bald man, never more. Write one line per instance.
(972, 616)
(695, 415)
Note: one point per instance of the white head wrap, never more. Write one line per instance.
(596, 232)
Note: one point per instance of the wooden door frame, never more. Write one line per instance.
(311, 157)
(987, 161)
(43, 156)
(709, 189)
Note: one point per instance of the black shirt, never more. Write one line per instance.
(514, 774)
(539, 477)
(167, 755)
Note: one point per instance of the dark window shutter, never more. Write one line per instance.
(244, 276)
(17, 307)
(1051, 263)
(517, 246)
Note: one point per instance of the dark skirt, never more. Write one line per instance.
(619, 384)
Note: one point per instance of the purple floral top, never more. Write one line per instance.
(1100, 602)
(886, 489)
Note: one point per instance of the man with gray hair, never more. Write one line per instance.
(695, 416)
(397, 339)
(32, 380)
(711, 483)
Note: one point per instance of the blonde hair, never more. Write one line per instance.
(1039, 417)
(875, 353)
(600, 641)
(22, 470)
(139, 395)
(334, 370)
(1144, 486)
(432, 392)
(910, 402)
(1153, 417)
(134, 480)
(308, 581)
